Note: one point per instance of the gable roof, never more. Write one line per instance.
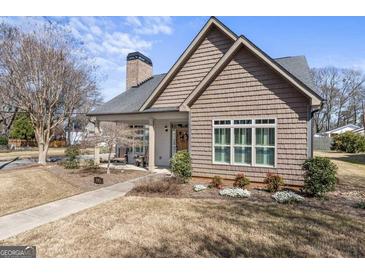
(131, 100)
(242, 41)
(298, 66)
(212, 22)
(139, 98)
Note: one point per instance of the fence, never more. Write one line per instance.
(21, 143)
(322, 143)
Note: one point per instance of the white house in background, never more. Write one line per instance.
(359, 131)
(349, 127)
(77, 134)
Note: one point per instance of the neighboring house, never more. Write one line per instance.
(359, 131)
(77, 134)
(339, 130)
(230, 104)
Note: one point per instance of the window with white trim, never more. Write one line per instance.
(139, 139)
(249, 142)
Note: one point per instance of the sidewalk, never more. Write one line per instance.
(21, 221)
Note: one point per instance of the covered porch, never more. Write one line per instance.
(162, 133)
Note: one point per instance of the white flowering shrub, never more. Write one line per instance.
(235, 192)
(285, 197)
(199, 187)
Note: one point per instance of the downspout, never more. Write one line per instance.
(311, 131)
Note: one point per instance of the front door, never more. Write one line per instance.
(182, 138)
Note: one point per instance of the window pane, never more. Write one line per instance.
(242, 136)
(222, 122)
(222, 136)
(265, 121)
(242, 122)
(222, 154)
(265, 136)
(242, 155)
(265, 156)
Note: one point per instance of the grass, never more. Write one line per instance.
(7, 155)
(24, 188)
(166, 227)
(28, 187)
(201, 224)
(351, 169)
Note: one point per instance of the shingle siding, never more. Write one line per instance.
(195, 69)
(249, 88)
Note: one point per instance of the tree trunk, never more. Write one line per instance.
(109, 156)
(42, 153)
(68, 131)
(43, 145)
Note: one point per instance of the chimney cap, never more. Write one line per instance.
(137, 55)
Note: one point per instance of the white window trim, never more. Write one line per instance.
(253, 145)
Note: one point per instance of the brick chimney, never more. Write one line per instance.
(139, 69)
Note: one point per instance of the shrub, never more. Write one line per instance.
(287, 197)
(71, 164)
(217, 182)
(348, 142)
(320, 176)
(3, 141)
(90, 164)
(181, 166)
(360, 205)
(235, 192)
(72, 152)
(273, 181)
(198, 188)
(241, 181)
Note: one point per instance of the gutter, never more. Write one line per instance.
(129, 113)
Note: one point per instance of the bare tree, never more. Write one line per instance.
(7, 117)
(79, 119)
(43, 73)
(343, 91)
(112, 134)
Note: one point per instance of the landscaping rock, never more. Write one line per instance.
(235, 192)
(199, 187)
(285, 197)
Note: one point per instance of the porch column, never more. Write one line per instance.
(151, 145)
(97, 148)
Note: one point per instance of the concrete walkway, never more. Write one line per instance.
(21, 221)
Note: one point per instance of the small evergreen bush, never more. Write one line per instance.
(181, 166)
(273, 181)
(360, 205)
(241, 181)
(217, 182)
(348, 142)
(320, 176)
(3, 140)
(72, 162)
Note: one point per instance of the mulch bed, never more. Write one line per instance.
(339, 201)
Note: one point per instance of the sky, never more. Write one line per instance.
(325, 41)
